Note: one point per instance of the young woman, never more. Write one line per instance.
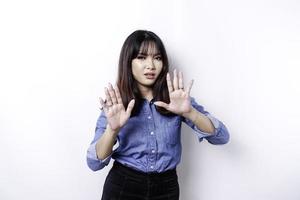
(140, 124)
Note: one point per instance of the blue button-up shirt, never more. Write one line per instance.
(150, 142)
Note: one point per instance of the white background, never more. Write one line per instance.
(57, 56)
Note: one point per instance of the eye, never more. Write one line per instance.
(158, 57)
(141, 57)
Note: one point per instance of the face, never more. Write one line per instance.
(147, 66)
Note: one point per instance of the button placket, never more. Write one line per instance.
(152, 137)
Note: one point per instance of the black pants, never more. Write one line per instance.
(123, 183)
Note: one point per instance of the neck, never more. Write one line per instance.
(146, 92)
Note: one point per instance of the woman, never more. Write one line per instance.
(140, 124)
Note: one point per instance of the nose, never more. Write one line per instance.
(150, 63)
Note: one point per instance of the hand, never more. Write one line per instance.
(114, 109)
(179, 97)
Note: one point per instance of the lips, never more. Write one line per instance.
(150, 75)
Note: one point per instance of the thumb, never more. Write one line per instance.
(161, 104)
(130, 107)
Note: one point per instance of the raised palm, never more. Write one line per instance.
(114, 109)
(179, 97)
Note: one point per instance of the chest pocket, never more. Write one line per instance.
(172, 131)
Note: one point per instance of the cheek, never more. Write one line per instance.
(135, 74)
(159, 66)
(134, 68)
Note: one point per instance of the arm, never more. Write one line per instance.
(193, 114)
(97, 159)
(113, 117)
(106, 142)
(206, 125)
(93, 160)
(200, 120)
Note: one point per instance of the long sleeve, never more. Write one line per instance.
(92, 160)
(221, 134)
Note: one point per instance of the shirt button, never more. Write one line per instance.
(151, 166)
(152, 133)
(153, 151)
(149, 117)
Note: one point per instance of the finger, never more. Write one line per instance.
(180, 82)
(169, 83)
(118, 95)
(101, 102)
(161, 104)
(130, 107)
(112, 94)
(190, 87)
(175, 80)
(103, 105)
(108, 98)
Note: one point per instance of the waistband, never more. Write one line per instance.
(134, 173)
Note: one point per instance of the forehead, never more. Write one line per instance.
(149, 48)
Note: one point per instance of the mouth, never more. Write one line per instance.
(150, 75)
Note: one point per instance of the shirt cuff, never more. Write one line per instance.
(215, 122)
(92, 154)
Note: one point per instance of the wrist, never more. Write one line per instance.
(113, 132)
(191, 115)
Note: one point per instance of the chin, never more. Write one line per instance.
(149, 85)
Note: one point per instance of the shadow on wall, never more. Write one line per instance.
(192, 165)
